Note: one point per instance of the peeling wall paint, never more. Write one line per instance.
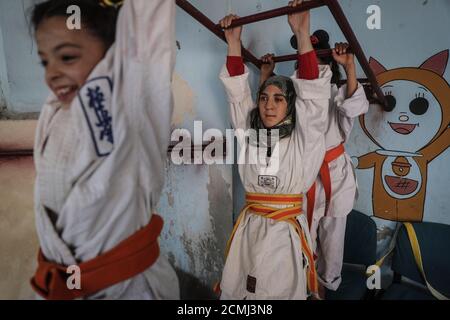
(196, 229)
(220, 202)
(183, 101)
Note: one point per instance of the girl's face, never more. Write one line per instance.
(68, 56)
(272, 106)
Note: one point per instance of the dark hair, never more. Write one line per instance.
(100, 20)
(323, 43)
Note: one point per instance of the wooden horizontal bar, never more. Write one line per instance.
(305, 6)
(292, 57)
(336, 11)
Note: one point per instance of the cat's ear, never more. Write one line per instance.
(377, 67)
(437, 63)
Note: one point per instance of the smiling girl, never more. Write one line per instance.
(100, 149)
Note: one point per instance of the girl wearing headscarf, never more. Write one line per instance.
(269, 253)
(332, 196)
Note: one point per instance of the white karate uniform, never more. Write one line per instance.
(262, 248)
(100, 162)
(328, 233)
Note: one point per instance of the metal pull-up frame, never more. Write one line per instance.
(337, 13)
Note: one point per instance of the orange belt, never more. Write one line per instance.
(324, 175)
(130, 257)
(257, 204)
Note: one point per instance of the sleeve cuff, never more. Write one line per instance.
(235, 66)
(308, 66)
(355, 105)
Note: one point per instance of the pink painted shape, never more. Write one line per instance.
(377, 67)
(437, 63)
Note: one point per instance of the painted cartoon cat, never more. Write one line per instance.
(413, 132)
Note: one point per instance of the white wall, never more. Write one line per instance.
(24, 90)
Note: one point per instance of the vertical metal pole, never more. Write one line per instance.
(343, 23)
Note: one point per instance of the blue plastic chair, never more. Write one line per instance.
(360, 249)
(434, 242)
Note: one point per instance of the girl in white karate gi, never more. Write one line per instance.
(327, 221)
(101, 148)
(269, 254)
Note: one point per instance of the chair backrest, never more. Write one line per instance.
(360, 239)
(434, 242)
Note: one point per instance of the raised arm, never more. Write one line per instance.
(313, 90)
(300, 25)
(234, 76)
(267, 68)
(232, 35)
(308, 67)
(349, 109)
(235, 63)
(350, 100)
(144, 58)
(347, 60)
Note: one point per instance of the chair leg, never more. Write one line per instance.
(397, 278)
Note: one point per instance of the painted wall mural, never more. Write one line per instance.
(412, 133)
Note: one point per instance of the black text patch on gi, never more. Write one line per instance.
(96, 99)
(251, 284)
(268, 181)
